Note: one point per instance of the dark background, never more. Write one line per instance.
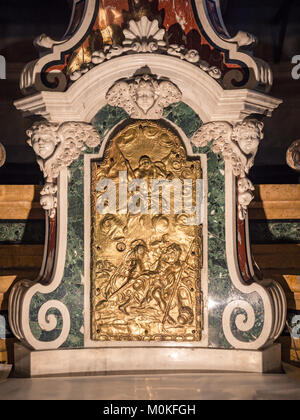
(275, 22)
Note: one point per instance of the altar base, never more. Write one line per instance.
(121, 360)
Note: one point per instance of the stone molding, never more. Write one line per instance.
(261, 75)
(268, 290)
(106, 360)
(23, 291)
(85, 97)
(32, 75)
(2, 155)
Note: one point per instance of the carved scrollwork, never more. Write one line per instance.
(244, 40)
(144, 96)
(45, 42)
(237, 144)
(145, 36)
(57, 146)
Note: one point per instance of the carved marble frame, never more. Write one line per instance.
(86, 97)
(89, 343)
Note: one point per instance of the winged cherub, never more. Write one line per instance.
(144, 96)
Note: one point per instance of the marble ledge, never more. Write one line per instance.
(89, 361)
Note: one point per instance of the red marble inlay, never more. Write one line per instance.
(50, 251)
(51, 248)
(177, 18)
(78, 15)
(242, 252)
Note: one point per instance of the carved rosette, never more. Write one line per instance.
(56, 147)
(143, 97)
(2, 155)
(238, 144)
(293, 155)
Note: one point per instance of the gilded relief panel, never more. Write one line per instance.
(146, 250)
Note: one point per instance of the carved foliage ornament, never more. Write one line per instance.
(238, 144)
(57, 146)
(145, 36)
(144, 96)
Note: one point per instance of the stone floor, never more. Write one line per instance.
(175, 386)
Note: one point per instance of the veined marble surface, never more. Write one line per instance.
(160, 387)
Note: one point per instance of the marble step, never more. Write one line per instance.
(276, 202)
(6, 350)
(20, 202)
(8, 280)
(20, 257)
(277, 258)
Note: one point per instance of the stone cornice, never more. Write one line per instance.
(82, 101)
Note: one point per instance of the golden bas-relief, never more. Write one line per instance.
(145, 267)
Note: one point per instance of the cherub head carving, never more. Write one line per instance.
(248, 134)
(144, 92)
(143, 96)
(43, 138)
(58, 145)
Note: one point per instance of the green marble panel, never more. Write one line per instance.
(274, 231)
(220, 288)
(22, 232)
(107, 118)
(184, 117)
(5, 331)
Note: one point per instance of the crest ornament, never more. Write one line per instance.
(145, 36)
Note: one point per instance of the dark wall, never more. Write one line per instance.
(277, 25)
(21, 21)
(275, 22)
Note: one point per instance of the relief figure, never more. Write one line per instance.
(146, 268)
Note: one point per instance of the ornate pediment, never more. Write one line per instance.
(98, 33)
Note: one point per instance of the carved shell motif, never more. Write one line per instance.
(145, 35)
